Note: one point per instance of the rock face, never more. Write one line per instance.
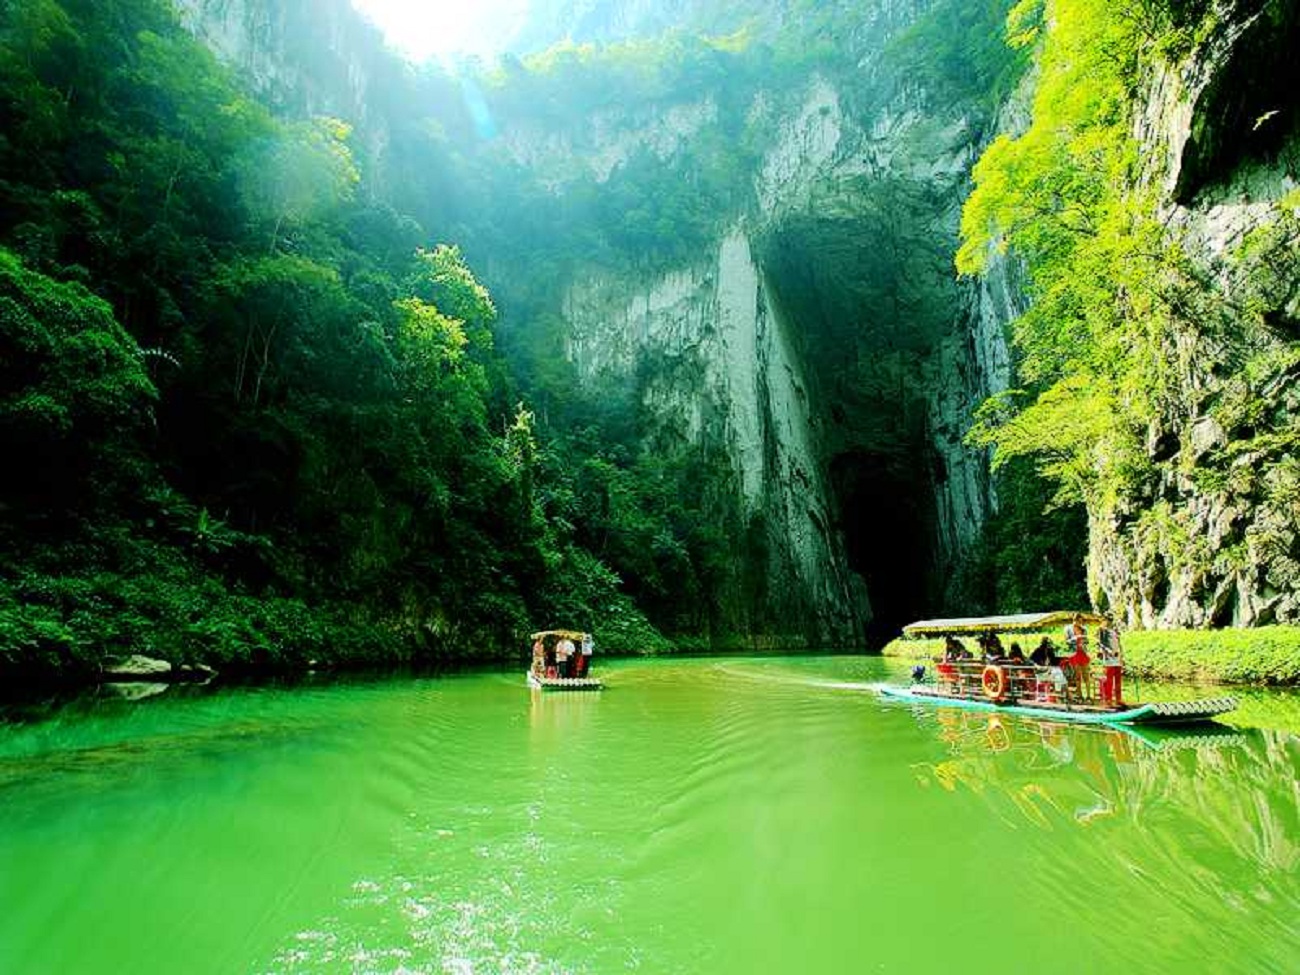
(609, 140)
(306, 57)
(822, 344)
(1213, 536)
(549, 21)
(135, 667)
(818, 341)
(736, 378)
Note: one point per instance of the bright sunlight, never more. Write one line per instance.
(423, 29)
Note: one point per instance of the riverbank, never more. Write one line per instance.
(173, 621)
(1264, 655)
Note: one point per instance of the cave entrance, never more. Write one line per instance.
(888, 529)
(870, 294)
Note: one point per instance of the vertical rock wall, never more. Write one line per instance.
(738, 383)
(970, 364)
(727, 338)
(305, 57)
(1212, 536)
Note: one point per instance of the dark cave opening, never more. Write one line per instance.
(869, 294)
(888, 529)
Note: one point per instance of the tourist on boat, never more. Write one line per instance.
(1023, 679)
(1050, 681)
(1111, 656)
(992, 647)
(552, 668)
(583, 660)
(1078, 662)
(952, 649)
(564, 654)
(1044, 654)
(946, 668)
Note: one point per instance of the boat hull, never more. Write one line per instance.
(1156, 713)
(563, 683)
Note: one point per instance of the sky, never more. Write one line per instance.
(423, 29)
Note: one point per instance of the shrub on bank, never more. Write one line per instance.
(1264, 655)
(63, 627)
(921, 650)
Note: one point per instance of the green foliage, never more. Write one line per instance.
(68, 625)
(74, 396)
(1263, 655)
(1104, 280)
(1030, 555)
(647, 518)
(1143, 374)
(302, 172)
(955, 49)
(657, 206)
(279, 430)
(587, 592)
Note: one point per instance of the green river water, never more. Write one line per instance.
(750, 815)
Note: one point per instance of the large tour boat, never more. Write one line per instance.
(1040, 682)
(562, 661)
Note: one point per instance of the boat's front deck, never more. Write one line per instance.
(565, 683)
(1157, 713)
(1048, 700)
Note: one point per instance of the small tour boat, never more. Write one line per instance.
(1048, 687)
(562, 661)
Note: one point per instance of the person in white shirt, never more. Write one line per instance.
(564, 654)
(1112, 659)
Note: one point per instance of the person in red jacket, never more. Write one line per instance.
(1078, 661)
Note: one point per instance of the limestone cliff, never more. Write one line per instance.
(315, 58)
(730, 370)
(815, 335)
(1213, 536)
(304, 57)
(822, 338)
(814, 332)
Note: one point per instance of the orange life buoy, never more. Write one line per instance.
(994, 682)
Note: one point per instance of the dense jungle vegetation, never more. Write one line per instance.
(260, 410)
(252, 415)
(257, 407)
(1129, 339)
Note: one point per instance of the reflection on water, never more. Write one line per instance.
(1234, 791)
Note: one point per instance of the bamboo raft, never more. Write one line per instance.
(564, 683)
(1154, 713)
(545, 674)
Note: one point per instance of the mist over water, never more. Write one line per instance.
(698, 816)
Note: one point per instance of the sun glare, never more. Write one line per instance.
(423, 29)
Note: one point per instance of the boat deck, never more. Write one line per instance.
(1160, 712)
(565, 683)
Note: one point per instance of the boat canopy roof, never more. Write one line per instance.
(1018, 623)
(571, 634)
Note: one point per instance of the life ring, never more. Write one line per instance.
(994, 682)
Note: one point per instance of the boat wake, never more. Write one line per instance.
(796, 680)
(847, 685)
